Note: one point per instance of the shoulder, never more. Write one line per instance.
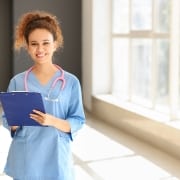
(72, 81)
(70, 77)
(18, 76)
(16, 82)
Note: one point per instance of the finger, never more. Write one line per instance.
(37, 118)
(38, 112)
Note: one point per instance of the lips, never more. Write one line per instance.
(40, 55)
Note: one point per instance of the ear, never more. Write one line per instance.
(55, 45)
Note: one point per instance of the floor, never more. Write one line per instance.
(102, 152)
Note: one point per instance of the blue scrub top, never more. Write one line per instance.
(44, 153)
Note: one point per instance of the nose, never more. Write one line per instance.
(39, 48)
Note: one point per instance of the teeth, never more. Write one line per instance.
(39, 55)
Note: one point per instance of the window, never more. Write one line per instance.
(145, 70)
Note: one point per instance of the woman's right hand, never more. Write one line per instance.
(13, 128)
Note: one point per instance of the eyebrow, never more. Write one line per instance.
(46, 40)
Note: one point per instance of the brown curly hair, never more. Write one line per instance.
(37, 20)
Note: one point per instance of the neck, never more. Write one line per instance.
(44, 68)
(44, 72)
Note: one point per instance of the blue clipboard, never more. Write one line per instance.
(18, 105)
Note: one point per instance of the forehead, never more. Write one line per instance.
(40, 35)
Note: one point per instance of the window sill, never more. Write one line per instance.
(133, 108)
(127, 118)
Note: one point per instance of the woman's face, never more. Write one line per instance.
(41, 46)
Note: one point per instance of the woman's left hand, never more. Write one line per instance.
(50, 120)
(42, 118)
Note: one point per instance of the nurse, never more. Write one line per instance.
(44, 152)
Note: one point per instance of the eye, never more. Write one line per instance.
(46, 43)
(33, 44)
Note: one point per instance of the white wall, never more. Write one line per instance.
(96, 52)
(87, 52)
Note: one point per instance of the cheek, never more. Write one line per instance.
(30, 51)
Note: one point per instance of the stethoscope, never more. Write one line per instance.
(60, 78)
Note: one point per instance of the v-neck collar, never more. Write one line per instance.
(46, 85)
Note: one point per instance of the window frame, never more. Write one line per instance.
(173, 60)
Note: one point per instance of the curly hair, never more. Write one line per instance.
(37, 20)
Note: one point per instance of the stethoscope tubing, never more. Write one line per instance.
(61, 78)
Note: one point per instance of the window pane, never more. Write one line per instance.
(120, 16)
(162, 75)
(162, 19)
(141, 71)
(141, 15)
(120, 66)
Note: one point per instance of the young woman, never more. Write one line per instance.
(44, 152)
